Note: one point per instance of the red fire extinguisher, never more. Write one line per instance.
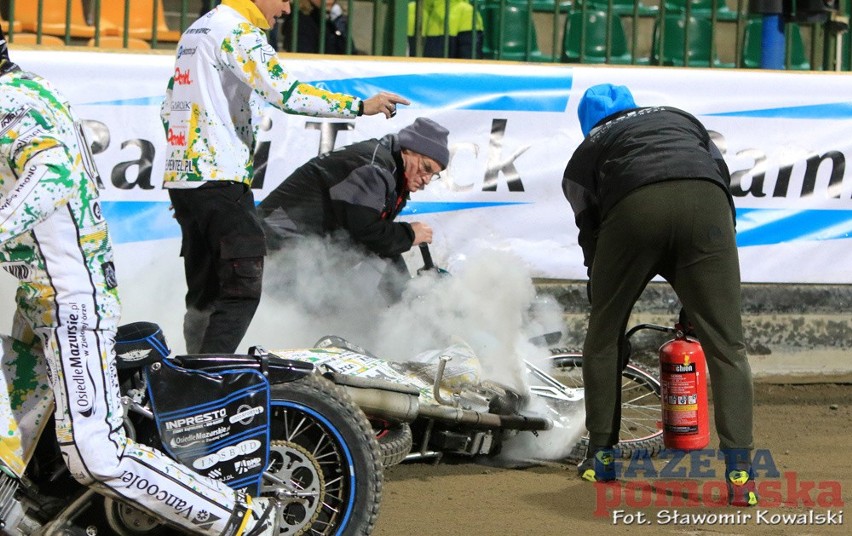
(683, 378)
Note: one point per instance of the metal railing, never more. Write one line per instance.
(690, 33)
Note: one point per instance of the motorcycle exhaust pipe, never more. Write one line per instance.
(379, 398)
(485, 420)
(388, 405)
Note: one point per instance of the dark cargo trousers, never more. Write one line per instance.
(223, 248)
(683, 231)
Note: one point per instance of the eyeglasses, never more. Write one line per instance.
(425, 168)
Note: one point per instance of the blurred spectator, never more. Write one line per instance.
(205, 7)
(464, 42)
(308, 29)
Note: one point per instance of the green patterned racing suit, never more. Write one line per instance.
(56, 243)
(225, 72)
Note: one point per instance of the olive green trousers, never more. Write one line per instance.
(683, 231)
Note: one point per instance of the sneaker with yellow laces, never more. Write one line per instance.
(742, 490)
(599, 467)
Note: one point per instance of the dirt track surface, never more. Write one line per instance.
(806, 431)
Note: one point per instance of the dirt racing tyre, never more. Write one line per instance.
(322, 444)
(641, 430)
(395, 441)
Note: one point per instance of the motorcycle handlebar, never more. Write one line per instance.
(428, 264)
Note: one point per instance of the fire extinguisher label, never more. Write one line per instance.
(680, 398)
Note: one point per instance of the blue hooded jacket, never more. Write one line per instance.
(601, 101)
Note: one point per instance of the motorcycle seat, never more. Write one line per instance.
(138, 344)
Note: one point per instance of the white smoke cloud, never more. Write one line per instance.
(488, 302)
(312, 290)
(555, 444)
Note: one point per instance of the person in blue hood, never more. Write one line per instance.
(651, 196)
(600, 102)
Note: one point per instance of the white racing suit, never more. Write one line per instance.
(55, 241)
(225, 72)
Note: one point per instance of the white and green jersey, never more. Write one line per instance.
(55, 241)
(225, 70)
(49, 199)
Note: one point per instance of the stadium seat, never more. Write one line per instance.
(702, 7)
(117, 41)
(16, 26)
(621, 7)
(26, 38)
(594, 46)
(752, 39)
(55, 20)
(551, 6)
(140, 23)
(517, 29)
(694, 39)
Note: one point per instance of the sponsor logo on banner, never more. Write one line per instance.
(12, 118)
(245, 466)
(179, 506)
(182, 77)
(226, 454)
(97, 212)
(181, 106)
(19, 270)
(210, 418)
(199, 437)
(185, 51)
(25, 137)
(245, 414)
(786, 153)
(179, 166)
(135, 355)
(204, 519)
(81, 391)
(176, 136)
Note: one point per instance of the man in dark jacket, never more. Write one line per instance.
(355, 193)
(650, 195)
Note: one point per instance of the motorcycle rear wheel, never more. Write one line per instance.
(322, 444)
(395, 441)
(641, 411)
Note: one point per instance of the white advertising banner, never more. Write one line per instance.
(513, 128)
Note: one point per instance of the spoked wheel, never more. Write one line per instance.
(641, 412)
(325, 453)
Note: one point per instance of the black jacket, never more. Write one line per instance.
(631, 149)
(308, 37)
(358, 189)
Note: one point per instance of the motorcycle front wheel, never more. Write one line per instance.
(641, 431)
(325, 452)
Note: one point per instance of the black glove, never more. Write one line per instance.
(589, 290)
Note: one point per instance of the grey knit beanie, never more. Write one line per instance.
(428, 138)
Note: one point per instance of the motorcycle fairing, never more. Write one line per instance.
(215, 423)
(419, 374)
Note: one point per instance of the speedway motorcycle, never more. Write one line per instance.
(439, 404)
(271, 426)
